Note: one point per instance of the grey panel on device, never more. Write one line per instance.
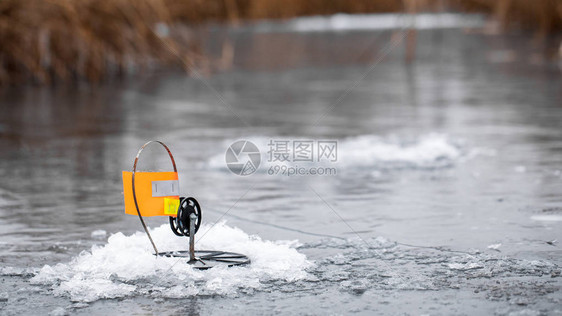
(165, 188)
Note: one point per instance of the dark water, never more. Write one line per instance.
(447, 198)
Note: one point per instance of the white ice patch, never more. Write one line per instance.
(126, 266)
(495, 246)
(547, 218)
(428, 151)
(98, 234)
(366, 151)
(520, 169)
(16, 271)
(364, 22)
(465, 266)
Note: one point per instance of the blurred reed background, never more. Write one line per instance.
(45, 41)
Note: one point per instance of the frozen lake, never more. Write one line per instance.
(447, 198)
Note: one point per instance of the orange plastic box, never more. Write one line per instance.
(150, 202)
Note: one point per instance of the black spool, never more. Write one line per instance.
(181, 223)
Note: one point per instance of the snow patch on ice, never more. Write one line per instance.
(495, 246)
(547, 218)
(520, 169)
(98, 234)
(16, 271)
(432, 150)
(465, 266)
(368, 151)
(362, 22)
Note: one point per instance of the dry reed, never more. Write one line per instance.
(47, 40)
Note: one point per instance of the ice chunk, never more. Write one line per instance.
(495, 246)
(98, 234)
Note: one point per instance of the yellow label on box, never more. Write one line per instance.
(171, 206)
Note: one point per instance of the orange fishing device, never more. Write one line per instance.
(157, 194)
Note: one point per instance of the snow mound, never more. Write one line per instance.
(126, 266)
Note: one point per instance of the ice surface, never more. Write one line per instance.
(59, 311)
(389, 265)
(126, 266)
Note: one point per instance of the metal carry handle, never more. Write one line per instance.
(133, 185)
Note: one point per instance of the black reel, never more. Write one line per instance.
(180, 223)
